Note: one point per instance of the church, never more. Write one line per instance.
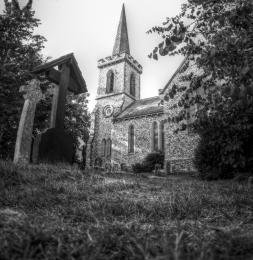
(124, 127)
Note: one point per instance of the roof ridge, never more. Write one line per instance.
(148, 98)
(175, 73)
(141, 107)
(126, 108)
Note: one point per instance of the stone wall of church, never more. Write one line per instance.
(143, 137)
(180, 146)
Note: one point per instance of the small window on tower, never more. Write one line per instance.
(110, 82)
(132, 85)
(103, 147)
(109, 147)
(162, 139)
(155, 137)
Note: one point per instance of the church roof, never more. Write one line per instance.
(121, 42)
(142, 107)
(174, 75)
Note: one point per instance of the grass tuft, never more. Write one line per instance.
(9, 175)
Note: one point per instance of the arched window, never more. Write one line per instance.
(103, 148)
(109, 148)
(155, 137)
(132, 85)
(161, 138)
(110, 82)
(131, 139)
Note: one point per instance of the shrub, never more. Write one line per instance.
(149, 162)
(226, 144)
(123, 167)
(154, 158)
(138, 167)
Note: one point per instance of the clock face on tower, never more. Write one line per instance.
(108, 110)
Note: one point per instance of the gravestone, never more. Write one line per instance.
(56, 145)
(32, 95)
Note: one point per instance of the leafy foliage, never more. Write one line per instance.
(77, 118)
(19, 53)
(149, 162)
(139, 168)
(217, 38)
(226, 143)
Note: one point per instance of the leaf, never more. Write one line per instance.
(161, 44)
(155, 50)
(245, 70)
(213, 52)
(155, 56)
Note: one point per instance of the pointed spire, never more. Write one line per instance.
(121, 43)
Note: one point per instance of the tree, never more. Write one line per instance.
(77, 120)
(20, 51)
(217, 36)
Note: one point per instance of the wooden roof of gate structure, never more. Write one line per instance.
(77, 83)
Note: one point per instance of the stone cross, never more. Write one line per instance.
(32, 95)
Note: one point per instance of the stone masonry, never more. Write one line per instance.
(180, 146)
(143, 139)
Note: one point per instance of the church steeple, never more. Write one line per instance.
(120, 72)
(121, 43)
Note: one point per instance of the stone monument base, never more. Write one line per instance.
(53, 146)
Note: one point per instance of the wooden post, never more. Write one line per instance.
(58, 106)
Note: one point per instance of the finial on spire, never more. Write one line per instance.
(121, 44)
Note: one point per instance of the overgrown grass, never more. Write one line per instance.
(58, 212)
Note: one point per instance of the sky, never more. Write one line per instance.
(88, 29)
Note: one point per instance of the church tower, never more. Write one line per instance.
(119, 86)
(119, 73)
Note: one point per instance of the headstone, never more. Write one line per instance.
(108, 167)
(98, 162)
(35, 148)
(32, 95)
(54, 145)
(157, 168)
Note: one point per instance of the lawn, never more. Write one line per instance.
(58, 212)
